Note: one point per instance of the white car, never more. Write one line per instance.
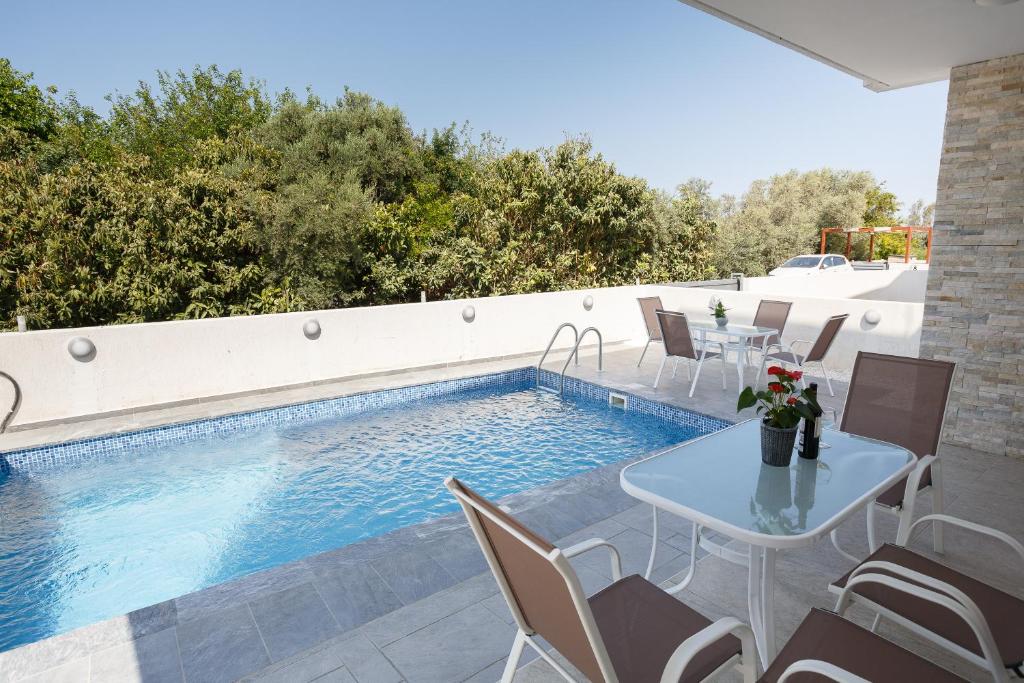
(809, 264)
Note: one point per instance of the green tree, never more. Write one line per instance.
(91, 245)
(23, 106)
(168, 124)
(782, 216)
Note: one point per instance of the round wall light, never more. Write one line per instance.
(588, 302)
(469, 314)
(872, 316)
(311, 328)
(82, 349)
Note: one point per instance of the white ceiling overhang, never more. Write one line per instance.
(887, 44)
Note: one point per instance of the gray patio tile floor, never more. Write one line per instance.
(419, 605)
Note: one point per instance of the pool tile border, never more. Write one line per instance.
(79, 451)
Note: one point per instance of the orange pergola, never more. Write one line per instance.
(909, 230)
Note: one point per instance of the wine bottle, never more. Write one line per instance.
(810, 432)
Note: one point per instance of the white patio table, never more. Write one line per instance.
(718, 482)
(739, 337)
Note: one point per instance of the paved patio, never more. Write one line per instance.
(419, 605)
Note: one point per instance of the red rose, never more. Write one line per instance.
(776, 370)
(776, 387)
(791, 400)
(796, 374)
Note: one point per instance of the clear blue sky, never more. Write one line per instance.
(664, 91)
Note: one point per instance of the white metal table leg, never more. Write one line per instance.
(694, 538)
(741, 364)
(768, 606)
(834, 535)
(755, 601)
(654, 543)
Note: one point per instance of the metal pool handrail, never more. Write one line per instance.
(15, 405)
(576, 352)
(575, 340)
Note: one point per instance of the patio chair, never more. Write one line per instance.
(769, 314)
(631, 631)
(968, 617)
(826, 646)
(675, 335)
(648, 306)
(784, 355)
(903, 401)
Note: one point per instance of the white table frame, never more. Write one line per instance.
(762, 548)
(742, 339)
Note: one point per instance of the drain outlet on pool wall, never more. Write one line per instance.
(616, 400)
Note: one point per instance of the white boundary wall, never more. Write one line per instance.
(142, 365)
(155, 363)
(881, 285)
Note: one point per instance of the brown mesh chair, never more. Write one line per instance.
(631, 631)
(773, 314)
(903, 401)
(784, 354)
(648, 306)
(966, 616)
(827, 647)
(675, 335)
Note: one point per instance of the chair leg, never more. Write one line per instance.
(657, 377)
(872, 540)
(937, 505)
(675, 368)
(640, 362)
(828, 382)
(696, 375)
(513, 657)
(724, 386)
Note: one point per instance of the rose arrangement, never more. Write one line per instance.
(782, 405)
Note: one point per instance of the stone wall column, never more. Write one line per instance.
(974, 308)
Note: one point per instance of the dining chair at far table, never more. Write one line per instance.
(900, 400)
(785, 355)
(679, 344)
(773, 314)
(631, 631)
(648, 306)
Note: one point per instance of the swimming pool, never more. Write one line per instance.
(97, 528)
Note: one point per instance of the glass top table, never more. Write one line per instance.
(718, 482)
(741, 336)
(734, 330)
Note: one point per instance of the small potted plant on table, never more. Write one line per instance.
(781, 407)
(718, 310)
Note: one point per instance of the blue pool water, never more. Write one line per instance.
(83, 541)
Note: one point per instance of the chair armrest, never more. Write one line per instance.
(592, 544)
(932, 590)
(816, 666)
(937, 518)
(708, 635)
(784, 347)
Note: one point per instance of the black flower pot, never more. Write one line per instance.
(777, 445)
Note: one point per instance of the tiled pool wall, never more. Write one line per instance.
(75, 452)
